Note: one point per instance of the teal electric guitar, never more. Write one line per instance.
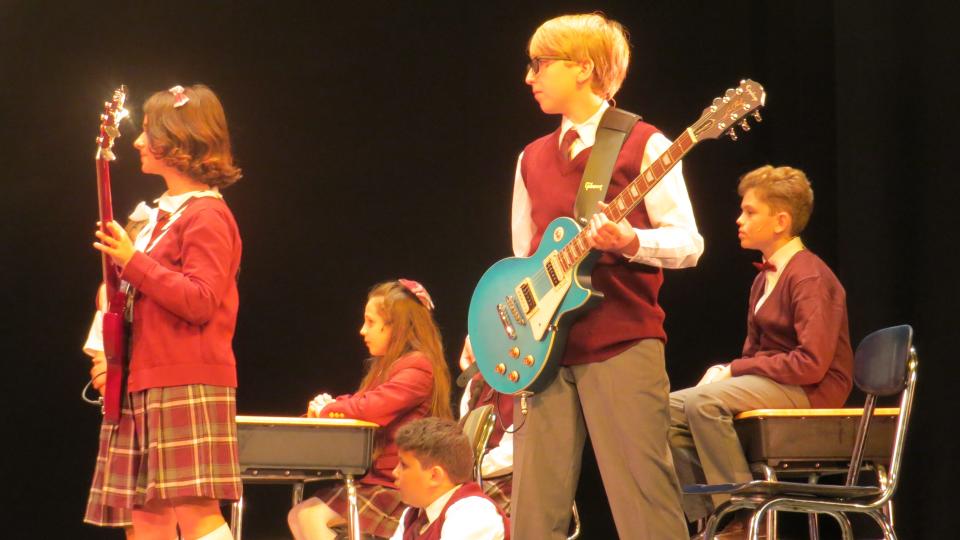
(523, 306)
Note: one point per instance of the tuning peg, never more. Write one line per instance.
(756, 116)
(739, 91)
(726, 99)
(744, 125)
(732, 134)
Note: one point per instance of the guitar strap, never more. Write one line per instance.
(614, 127)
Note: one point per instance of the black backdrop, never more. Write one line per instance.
(378, 139)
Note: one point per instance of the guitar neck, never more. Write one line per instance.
(632, 195)
(111, 274)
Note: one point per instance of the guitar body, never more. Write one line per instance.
(510, 356)
(114, 348)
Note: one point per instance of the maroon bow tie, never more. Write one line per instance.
(765, 266)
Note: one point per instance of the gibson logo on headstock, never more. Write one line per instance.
(587, 186)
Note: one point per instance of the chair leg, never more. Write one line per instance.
(885, 526)
(576, 523)
(710, 529)
(883, 479)
(846, 530)
(753, 532)
(770, 474)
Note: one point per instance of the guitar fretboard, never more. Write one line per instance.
(630, 197)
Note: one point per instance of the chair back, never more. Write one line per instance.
(477, 425)
(885, 364)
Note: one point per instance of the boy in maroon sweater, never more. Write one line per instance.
(797, 352)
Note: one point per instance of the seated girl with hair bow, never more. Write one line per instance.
(407, 379)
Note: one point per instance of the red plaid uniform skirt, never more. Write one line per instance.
(179, 441)
(379, 506)
(499, 489)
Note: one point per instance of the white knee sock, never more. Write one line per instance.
(220, 533)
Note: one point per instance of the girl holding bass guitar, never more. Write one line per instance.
(173, 454)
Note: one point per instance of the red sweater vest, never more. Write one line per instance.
(185, 309)
(629, 311)
(411, 525)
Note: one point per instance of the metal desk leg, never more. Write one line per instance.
(813, 521)
(353, 519)
(236, 518)
(770, 474)
(297, 493)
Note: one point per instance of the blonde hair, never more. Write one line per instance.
(412, 328)
(587, 38)
(785, 189)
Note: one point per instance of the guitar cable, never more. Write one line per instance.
(83, 395)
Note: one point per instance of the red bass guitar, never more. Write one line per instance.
(114, 337)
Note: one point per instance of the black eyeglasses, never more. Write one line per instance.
(536, 62)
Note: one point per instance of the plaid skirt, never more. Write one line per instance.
(379, 506)
(178, 441)
(499, 489)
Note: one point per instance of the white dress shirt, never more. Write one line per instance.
(470, 518)
(779, 259)
(673, 242)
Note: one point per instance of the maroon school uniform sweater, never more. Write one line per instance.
(629, 311)
(470, 489)
(403, 397)
(800, 336)
(185, 309)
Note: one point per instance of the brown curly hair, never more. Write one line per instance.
(192, 138)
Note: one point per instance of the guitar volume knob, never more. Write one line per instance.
(528, 360)
(514, 352)
(501, 368)
(514, 376)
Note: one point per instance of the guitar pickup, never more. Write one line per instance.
(526, 296)
(553, 268)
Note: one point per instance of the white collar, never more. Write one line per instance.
(586, 130)
(171, 203)
(782, 256)
(433, 509)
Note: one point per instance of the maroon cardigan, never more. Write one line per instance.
(800, 336)
(402, 398)
(630, 311)
(185, 309)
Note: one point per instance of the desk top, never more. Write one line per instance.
(781, 413)
(302, 421)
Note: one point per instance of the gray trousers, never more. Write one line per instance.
(702, 438)
(623, 402)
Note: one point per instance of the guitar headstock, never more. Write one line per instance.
(113, 114)
(730, 111)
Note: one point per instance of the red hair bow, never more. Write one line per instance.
(180, 97)
(419, 291)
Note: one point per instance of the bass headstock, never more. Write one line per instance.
(113, 113)
(729, 112)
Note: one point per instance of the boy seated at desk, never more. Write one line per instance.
(434, 477)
